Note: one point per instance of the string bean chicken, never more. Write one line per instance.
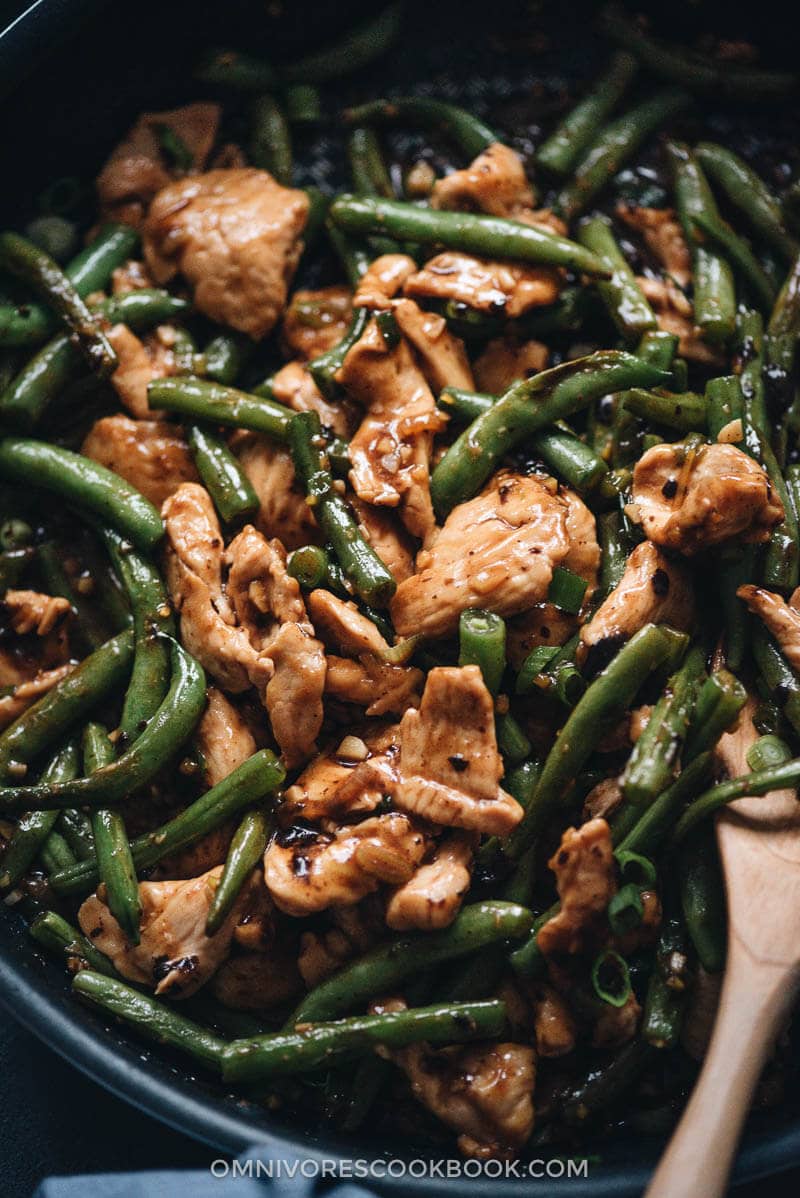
(389, 575)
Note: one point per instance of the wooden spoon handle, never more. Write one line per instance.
(756, 997)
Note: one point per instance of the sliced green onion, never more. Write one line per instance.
(534, 664)
(636, 868)
(625, 910)
(610, 978)
(768, 751)
(566, 590)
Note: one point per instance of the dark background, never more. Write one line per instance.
(52, 1119)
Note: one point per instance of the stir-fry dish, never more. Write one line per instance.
(377, 649)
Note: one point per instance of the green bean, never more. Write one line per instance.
(482, 643)
(492, 236)
(309, 565)
(367, 166)
(384, 968)
(667, 990)
(237, 70)
(90, 270)
(371, 578)
(525, 409)
(251, 782)
(32, 831)
(614, 553)
(565, 454)
(781, 680)
(27, 262)
(60, 938)
(512, 741)
(89, 631)
(56, 853)
(634, 830)
(303, 104)
(222, 475)
(605, 700)
(322, 1044)
(655, 753)
(463, 128)
(323, 369)
(224, 358)
(685, 413)
(714, 295)
(87, 484)
(748, 192)
(112, 848)
(702, 891)
(169, 728)
(723, 402)
(246, 850)
(613, 146)
(573, 136)
(270, 146)
(700, 73)
(599, 1088)
(768, 751)
(739, 255)
(719, 702)
(783, 333)
(761, 782)
(621, 295)
(152, 1018)
(48, 373)
(68, 702)
(207, 401)
(76, 828)
(355, 49)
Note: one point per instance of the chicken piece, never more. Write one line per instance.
(258, 981)
(269, 605)
(194, 549)
(433, 897)
(555, 1031)
(497, 551)
(342, 627)
(494, 182)
(138, 168)
(198, 858)
(174, 955)
(583, 556)
(293, 385)
(31, 613)
(25, 693)
(708, 496)
(654, 589)
(543, 624)
(778, 616)
(333, 786)
(283, 511)
(305, 875)
(661, 232)
(150, 454)
(390, 453)
(615, 1026)
(382, 281)
(357, 929)
(235, 236)
(379, 687)
(450, 767)
(484, 1092)
(675, 314)
(442, 356)
(223, 738)
(316, 321)
(131, 276)
(506, 289)
(381, 527)
(137, 366)
(505, 361)
(584, 869)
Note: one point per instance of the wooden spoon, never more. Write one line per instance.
(759, 843)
